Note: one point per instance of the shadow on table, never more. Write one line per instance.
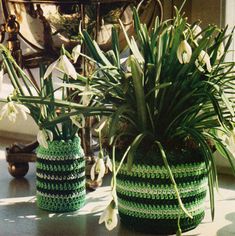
(228, 230)
(19, 188)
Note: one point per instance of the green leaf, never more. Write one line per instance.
(223, 97)
(209, 160)
(221, 148)
(137, 75)
(115, 45)
(95, 50)
(212, 195)
(132, 45)
(115, 122)
(158, 87)
(217, 107)
(133, 148)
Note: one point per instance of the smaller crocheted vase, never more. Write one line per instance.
(147, 201)
(60, 171)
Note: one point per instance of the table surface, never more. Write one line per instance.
(19, 215)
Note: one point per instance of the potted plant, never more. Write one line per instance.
(60, 164)
(172, 98)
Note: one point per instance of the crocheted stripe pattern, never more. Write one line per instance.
(60, 172)
(146, 197)
(61, 150)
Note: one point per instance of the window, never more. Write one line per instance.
(229, 17)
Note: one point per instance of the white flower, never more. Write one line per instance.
(86, 95)
(62, 64)
(23, 110)
(1, 78)
(203, 59)
(125, 63)
(78, 120)
(128, 64)
(99, 127)
(109, 216)
(196, 30)
(229, 140)
(44, 135)
(98, 168)
(76, 52)
(104, 34)
(109, 163)
(184, 52)
(231, 143)
(11, 109)
(220, 51)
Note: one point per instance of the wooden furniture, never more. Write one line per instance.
(42, 25)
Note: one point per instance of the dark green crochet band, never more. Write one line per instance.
(148, 203)
(60, 171)
(161, 227)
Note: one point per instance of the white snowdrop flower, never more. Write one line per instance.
(86, 95)
(12, 109)
(203, 59)
(43, 136)
(76, 52)
(184, 52)
(109, 163)
(109, 216)
(196, 30)
(98, 168)
(229, 140)
(62, 64)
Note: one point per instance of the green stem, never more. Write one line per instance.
(123, 158)
(60, 103)
(9, 71)
(61, 118)
(173, 180)
(25, 79)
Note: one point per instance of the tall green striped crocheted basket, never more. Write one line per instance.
(146, 198)
(60, 171)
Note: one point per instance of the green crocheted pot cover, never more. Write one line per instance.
(60, 173)
(147, 200)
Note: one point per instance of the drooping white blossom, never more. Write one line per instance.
(98, 168)
(76, 52)
(62, 64)
(184, 52)
(229, 140)
(109, 163)
(203, 59)
(109, 216)
(12, 109)
(196, 30)
(86, 95)
(101, 124)
(43, 136)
